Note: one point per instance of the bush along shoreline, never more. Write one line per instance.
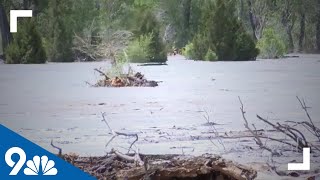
(221, 38)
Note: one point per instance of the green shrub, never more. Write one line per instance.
(118, 68)
(188, 51)
(245, 47)
(271, 45)
(26, 47)
(225, 32)
(200, 47)
(61, 28)
(210, 56)
(148, 24)
(1, 48)
(139, 49)
(61, 48)
(197, 49)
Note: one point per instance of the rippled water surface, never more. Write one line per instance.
(52, 101)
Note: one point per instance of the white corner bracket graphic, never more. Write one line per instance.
(305, 165)
(14, 14)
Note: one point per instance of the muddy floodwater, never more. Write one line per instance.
(53, 102)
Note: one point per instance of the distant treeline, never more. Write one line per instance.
(146, 30)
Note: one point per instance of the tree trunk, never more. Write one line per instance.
(27, 4)
(302, 30)
(241, 10)
(186, 22)
(290, 39)
(288, 21)
(318, 35)
(4, 26)
(252, 20)
(318, 28)
(187, 13)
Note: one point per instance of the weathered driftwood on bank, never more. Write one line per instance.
(126, 80)
(162, 167)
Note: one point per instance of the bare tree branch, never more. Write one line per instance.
(56, 147)
(215, 131)
(102, 74)
(283, 130)
(116, 133)
(311, 125)
(246, 125)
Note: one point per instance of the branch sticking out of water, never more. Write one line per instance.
(254, 133)
(293, 133)
(315, 130)
(116, 133)
(56, 147)
(215, 131)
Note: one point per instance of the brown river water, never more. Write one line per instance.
(53, 102)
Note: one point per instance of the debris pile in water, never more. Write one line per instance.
(125, 80)
(203, 167)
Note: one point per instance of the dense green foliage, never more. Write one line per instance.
(200, 46)
(149, 25)
(1, 48)
(226, 34)
(26, 47)
(271, 45)
(59, 44)
(213, 29)
(138, 50)
(188, 51)
(221, 35)
(295, 21)
(211, 56)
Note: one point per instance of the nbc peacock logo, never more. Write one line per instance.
(36, 166)
(42, 164)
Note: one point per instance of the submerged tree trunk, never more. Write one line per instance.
(4, 28)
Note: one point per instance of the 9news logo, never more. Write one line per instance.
(21, 159)
(34, 166)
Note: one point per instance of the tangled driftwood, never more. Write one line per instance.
(162, 167)
(296, 137)
(117, 165)
(126, 80)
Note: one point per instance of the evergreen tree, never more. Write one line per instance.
(60, 39)
(5, 34)
(226, 33)
(150, 25)
(26, 47)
